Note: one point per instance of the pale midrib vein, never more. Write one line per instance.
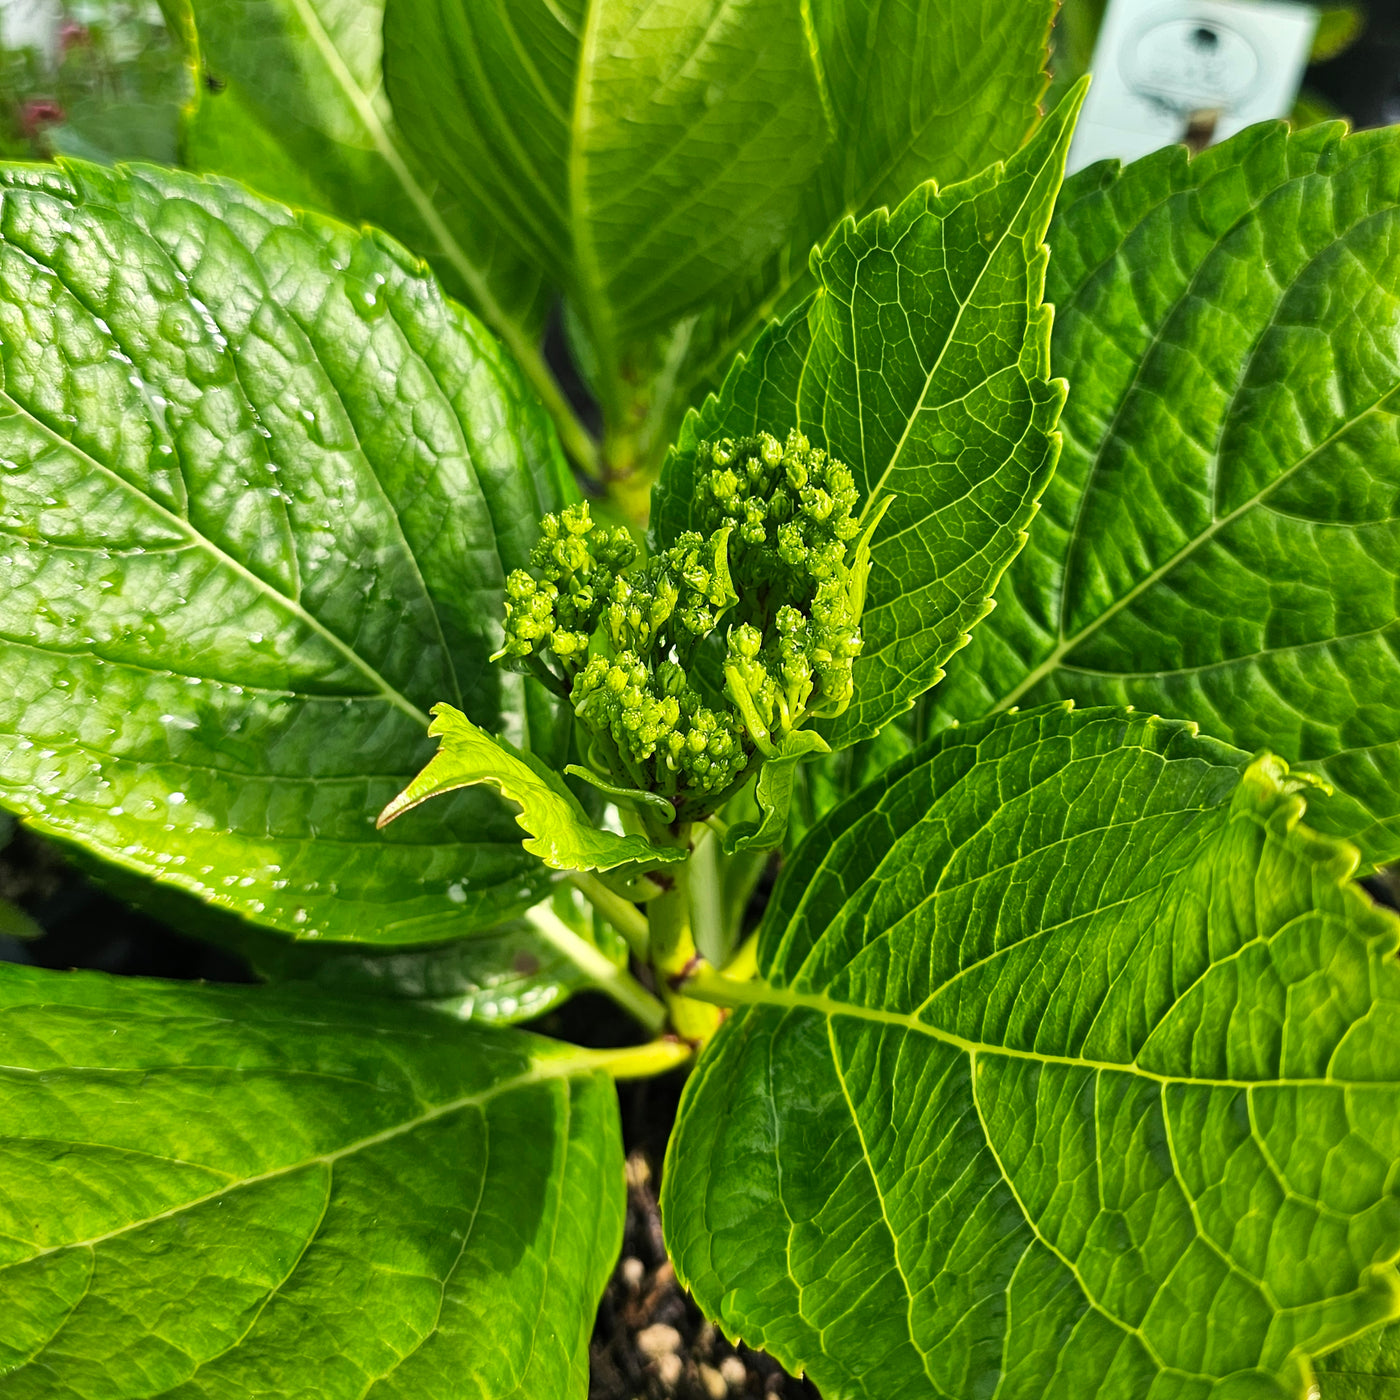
(1149, 581)
(539, 1072)
(872, 495)
(202, 542)
(393, 157)
(598, 307)
(725, 992)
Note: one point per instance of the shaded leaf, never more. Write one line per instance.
(936, 90)
(261, 488)
(670, 165)
(15, 923)
(296, 1195)
(561, 832)
(500, 974)
(1075, 1071)
(293, 104)
(514, 972)
(1221, 541)
(923, 364)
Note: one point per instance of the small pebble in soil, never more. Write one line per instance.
(658, 1340)
(633, 1271)
(715, 1384)
(734, 1371)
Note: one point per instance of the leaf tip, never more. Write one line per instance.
(446, 718)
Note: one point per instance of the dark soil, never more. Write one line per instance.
(650, 1341)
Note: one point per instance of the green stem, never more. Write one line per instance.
(706, 898)
(668, 921)
(708, 985)
(643, 1061)
(621, 913)
(742, 873)
(613, 981)
(673, 953)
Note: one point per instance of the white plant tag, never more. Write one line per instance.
(1163, 68)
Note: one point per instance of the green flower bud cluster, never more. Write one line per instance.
(578, 563)
(668, 740)
(775, 575)
(799, 559)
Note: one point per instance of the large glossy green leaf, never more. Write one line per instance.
(658, 159)
(212, 1194)
(293, 104)
(261, 487)
(923, 363)
(1075, 1071)
(1221, 541)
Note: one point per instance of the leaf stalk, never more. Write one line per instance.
(621, 913)
(613, 981)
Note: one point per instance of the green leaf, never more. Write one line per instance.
(653, 158)
(1075, 1072)
(15, 923)
(773, 793)
(499, 975)
(561, 832)
(260, 486)
(219, 1192)
(1338, 28)
(923, 364)
(293, 104)
(935, 90)
(636, 797)
(1220, 542)
(1366, 1369)
(510, 972)
(830, 780)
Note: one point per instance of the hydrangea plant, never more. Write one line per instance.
(1063, 1057)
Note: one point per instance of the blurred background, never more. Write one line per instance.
(99, 79)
